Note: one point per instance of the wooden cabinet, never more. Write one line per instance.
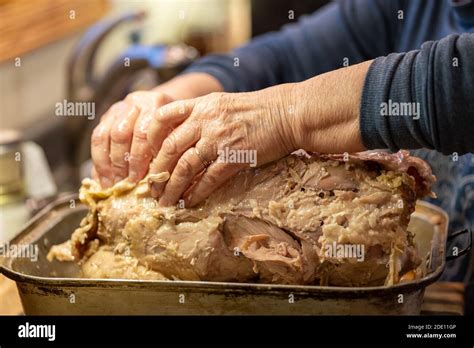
(26, 24)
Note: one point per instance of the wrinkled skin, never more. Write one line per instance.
(320, 114)
(185, 135)
(119, 145)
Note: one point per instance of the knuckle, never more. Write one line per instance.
(133, 96)
(119, 167)
(157, 120)
(219, 102)
(117, 106)
(139, 135)
(99, 136)
(121, 135)
(161, 99)
(119, 158)
(169, 146)
(138, 158)
(112, 110)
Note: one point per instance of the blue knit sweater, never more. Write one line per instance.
(418, 93)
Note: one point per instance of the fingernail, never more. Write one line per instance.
(187, 200)
(154, 190)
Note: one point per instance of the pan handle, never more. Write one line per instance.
(463, 251)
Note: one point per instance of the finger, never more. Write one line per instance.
(181, 139)
(100, 149)
(140, 152)
(188, 166)
(215, 175)
(121, 138)
(165, 119)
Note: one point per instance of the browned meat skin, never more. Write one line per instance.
(272, 224)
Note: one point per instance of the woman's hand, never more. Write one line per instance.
(218, 135)
(119, 143)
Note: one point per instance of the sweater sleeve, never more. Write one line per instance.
(342, 33)
(422, 98)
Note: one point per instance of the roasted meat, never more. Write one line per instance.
(319, 219)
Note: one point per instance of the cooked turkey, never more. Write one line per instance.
(321, 219)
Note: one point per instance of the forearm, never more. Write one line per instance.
(190, 85)
(326, 110)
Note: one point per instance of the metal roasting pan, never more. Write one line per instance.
(53, 288)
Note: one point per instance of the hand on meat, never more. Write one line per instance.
(248, 123)
(119, 144)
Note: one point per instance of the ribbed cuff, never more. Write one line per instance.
(391, 114)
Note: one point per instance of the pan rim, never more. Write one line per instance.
(19, 277)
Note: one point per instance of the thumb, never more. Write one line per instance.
(165, 119)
